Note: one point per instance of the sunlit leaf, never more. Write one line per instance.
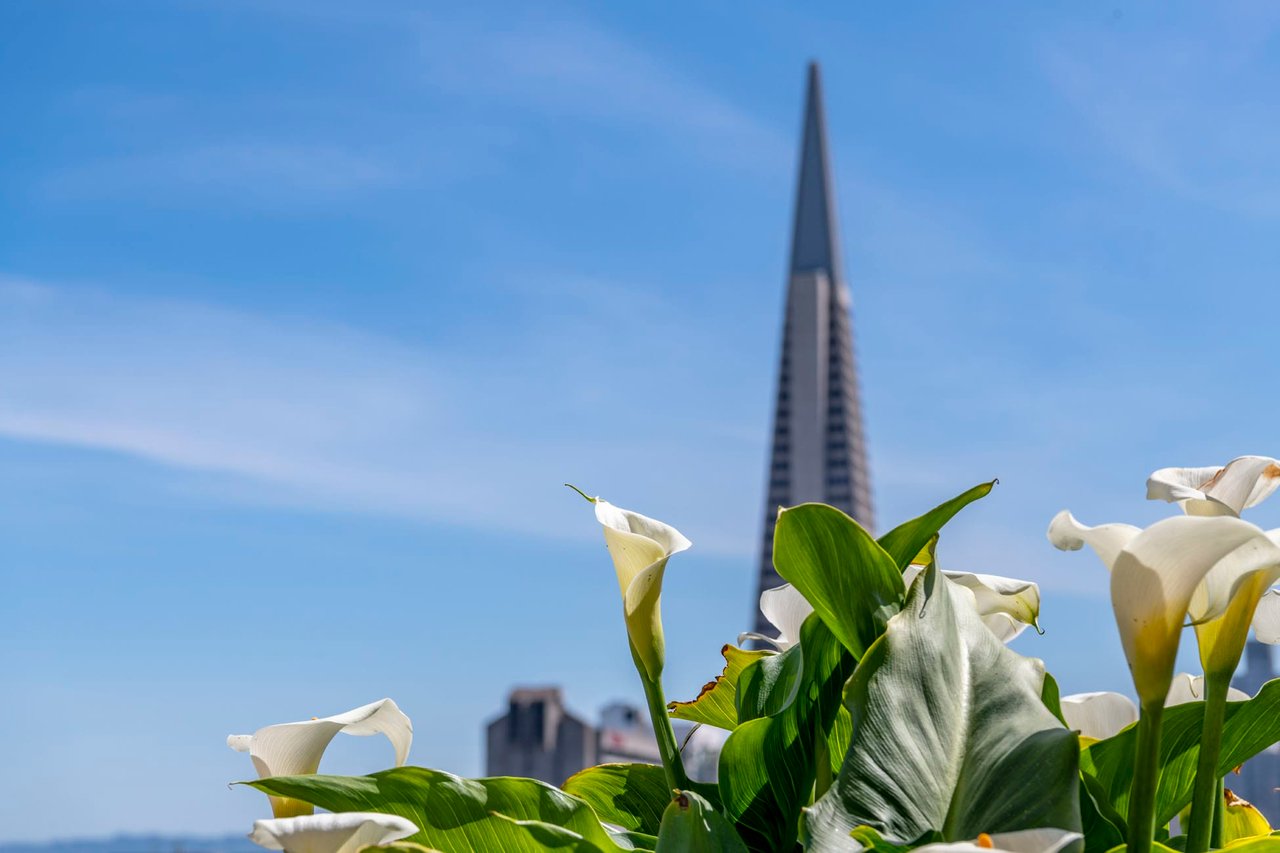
(904, 542)
(454, 814)
(768, 765)
(691, 825)
(950, 734)
(632, 796)
(1250, 728)
(717, 704)
(852, 583)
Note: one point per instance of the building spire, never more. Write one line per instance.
(818, 449)
(814, 244)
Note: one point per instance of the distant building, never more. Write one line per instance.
(819, 453)
(1260, 776)
(625, 736)
(538, 738)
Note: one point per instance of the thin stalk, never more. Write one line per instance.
(672, 763)
(1208, 782)
(1146, 778)
(1219, 815)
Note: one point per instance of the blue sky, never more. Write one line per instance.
(306, 312)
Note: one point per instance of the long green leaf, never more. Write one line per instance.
(852, 583)
(717, 704)
(453, 813)
(691, 825)
(770, 684)
(1250, 728)
(950, 734)
(904, 542)
(633, 796)
(768, 765)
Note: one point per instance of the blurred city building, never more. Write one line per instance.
(1259, 778)
(819, 453)
(539, 738)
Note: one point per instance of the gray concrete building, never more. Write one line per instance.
(819, 452)
(1260, 776)
(538, 738)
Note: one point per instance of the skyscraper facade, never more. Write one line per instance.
(819, 453)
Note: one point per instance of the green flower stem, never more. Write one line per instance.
(1219, 815)
(1208, 782)
(1146, 778)
(672, 763)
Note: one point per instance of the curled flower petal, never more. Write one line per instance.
(295, 749)
(1007, 605)
(347, 832)
(1190, 688)
(1106, 540)
(1222, 490)
(1098, 715)
(640, 547)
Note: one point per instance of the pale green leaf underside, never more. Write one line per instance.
(950, 734)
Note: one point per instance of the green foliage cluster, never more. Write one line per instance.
(896, 719)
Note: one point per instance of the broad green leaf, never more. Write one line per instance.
(950, 734)
(770, 684)
(852, 583)
(632, 796)
(691, 825)
(454, 814)
(906, 540)
(1250, 728)
(717, 704)
(768, 765)
(548, 836)
(1102, 827)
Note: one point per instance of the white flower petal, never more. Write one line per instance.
(1098, 715)
(1190, 688)
(1018, 599)
(1106, 540)
(1024, 841)
(1007, 605)
(293, 749)
(1266, 619)
(640, 547)
(1156, 575)
(1227, 490)
(635, 541)
(786, 609)
(330, 833)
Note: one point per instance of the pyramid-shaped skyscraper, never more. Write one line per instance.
(819, 453)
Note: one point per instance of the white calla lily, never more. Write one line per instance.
(1196, 567)
(1217, 490)
(1098, 715)
(1007, 605)
(1023, 841)
(1190, 688)
(640, 547)
(786, 609)
(347, 832)
(295, 749)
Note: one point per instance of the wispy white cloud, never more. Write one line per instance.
(325, 417)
